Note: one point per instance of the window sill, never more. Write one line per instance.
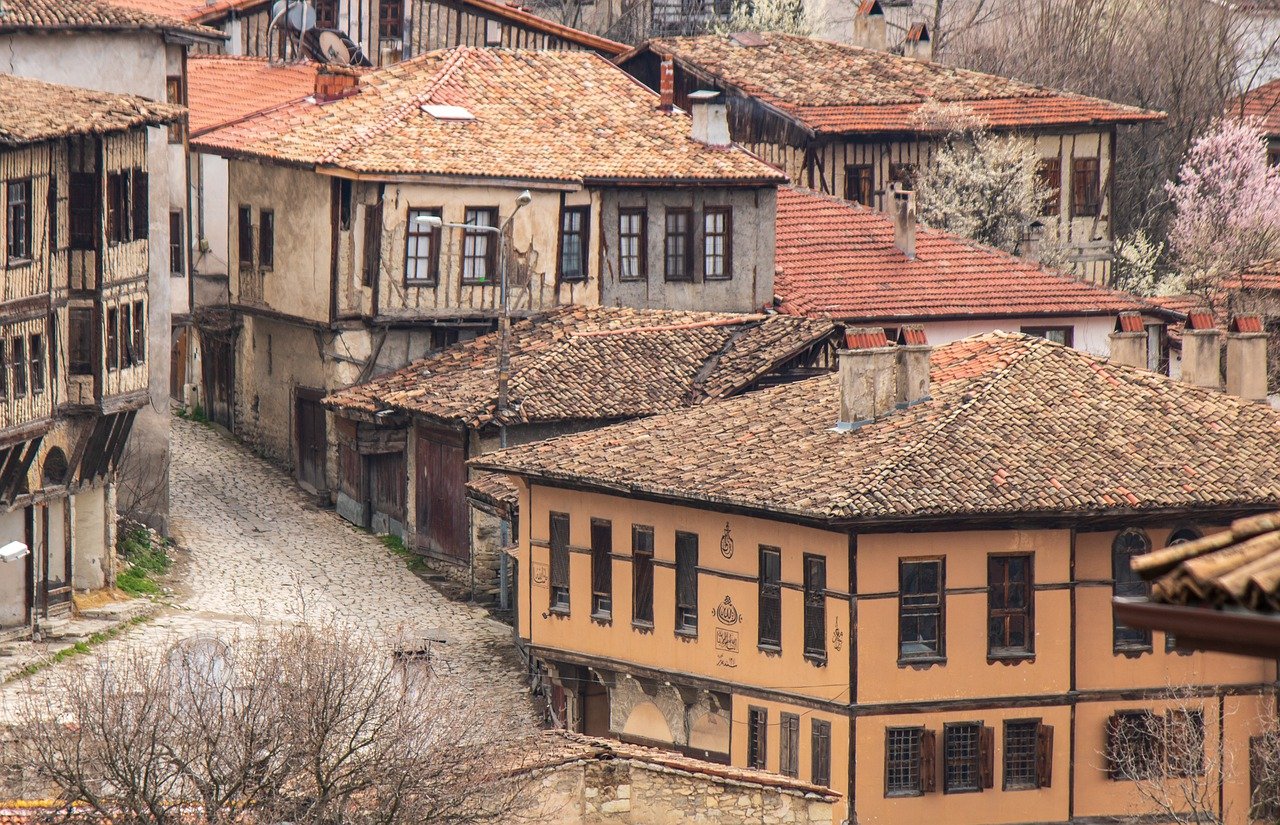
(421, 284)
(816, 659)
(902, 794)
(718, 278)
(18, 263)
(677, 280)
(573, 279)
(643, 627)
(605, 619)
(1015, 788)
(770, 649)
(922, 662)
(1010, 658)
(687, 633)
(1131, 652)
(563, 612)
(959, 791)
(634, 279)
(482, 282)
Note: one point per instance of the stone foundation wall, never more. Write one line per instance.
(628, 791)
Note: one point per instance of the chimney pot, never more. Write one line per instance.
(913, 365)
(870, 30)
(918, 45)
(868, 379)
(902, 211)
(667, 84)
(1247, 358)
(1129, 341)
(710, 118)
(1201, 351)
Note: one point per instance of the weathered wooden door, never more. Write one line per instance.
(219, 377)
(312, 442)
(386, 488)
(443, 527)
(178, 362)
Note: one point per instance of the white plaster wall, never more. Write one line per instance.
(1092, 333)
(13, 585)
(89, 529)
(211, 215)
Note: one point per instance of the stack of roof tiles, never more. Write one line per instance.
(1015, 426)
(833, 88)
(838, 259)
(567, 116)
(1239, 567)
(593, 363)
(33, 110)
(92, 15)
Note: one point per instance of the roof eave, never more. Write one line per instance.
(1202, 628)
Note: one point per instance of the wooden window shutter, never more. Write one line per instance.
(1115, 769)
(1044, 756)
(928, 761)
(372, 242)
(986, 757)
(138, 190)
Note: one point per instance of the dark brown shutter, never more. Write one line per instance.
(928, 761)
(1115, 769)
(138, 189)
(1044, 756)
(372, 242)
(115, 198)
(987, 756)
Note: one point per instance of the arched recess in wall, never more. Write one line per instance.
(709, 731)
(54, 470)
(647, 722)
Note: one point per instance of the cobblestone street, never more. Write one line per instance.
(252, 547)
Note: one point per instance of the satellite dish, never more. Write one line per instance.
(297, 14)
(334, 50)
(332, 47)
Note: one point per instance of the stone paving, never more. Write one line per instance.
(253, 548)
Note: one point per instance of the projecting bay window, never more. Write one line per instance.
(770, 598)
(633, 244)
(18, 213)
(1049, 176)
(1010, 631)
(80, 335)
(921, 610)
(789, 745)
(127, 206)
(1086, 188)
(422, 249)
(910, 769)
(815, 608)
(601, 569)
(1028, 755)
(574, 242)
(820, 752)
(717, 242)
(678, 245)
(1126, 545)
(969, 761)
(859, 184)
(559, 563)
(479, 247)
(757, 738)
(642, 575)
(687, 584)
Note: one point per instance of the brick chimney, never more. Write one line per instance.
(1247, 358)
(1129, 341)
(902, 211)
(710, 118)
(667, 84)
(870, 30)
(913, 366)
(868, 377)
(918, 45)
(335, 82)
(1201, 351)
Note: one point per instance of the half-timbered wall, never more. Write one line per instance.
(126, 261)
(25, 393)
(28, 276)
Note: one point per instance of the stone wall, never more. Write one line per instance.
(591, 791)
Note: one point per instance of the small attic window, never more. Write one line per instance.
(440, 111)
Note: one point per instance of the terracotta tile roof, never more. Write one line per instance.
(495, 488)
(1262, 103)
(521, 16)
(93, 15)
(834, 88)
(593, 363)
(194, 11)
(1239, 567)
(1015, 426)
(1264, 275)
(33, 110)
(838, 259)
(222, 89)
(555, 115)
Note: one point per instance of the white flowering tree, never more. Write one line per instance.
(978, 184)
(1226, 206)
(787, 16)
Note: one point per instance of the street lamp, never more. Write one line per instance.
(504, 318)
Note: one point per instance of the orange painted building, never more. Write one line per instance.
(901, 587)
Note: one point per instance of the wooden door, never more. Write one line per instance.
(219, 377)
(178, 363)
(386, 484)
(57, 557)
(312, 444)
(443, 527)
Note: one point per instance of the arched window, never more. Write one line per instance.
(1127, 544)
(54, 471)
(1182, 535)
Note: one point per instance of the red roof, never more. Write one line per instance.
(1262, 103)
(196, 11)
(834, 88)
(838, 259)
(222, 89)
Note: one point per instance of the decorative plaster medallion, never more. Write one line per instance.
(726, 543)
(541, 574)
(726, 613)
